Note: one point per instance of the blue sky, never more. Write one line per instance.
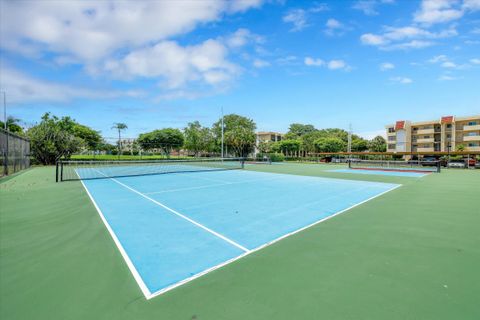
(154, 64)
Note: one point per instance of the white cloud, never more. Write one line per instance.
(366, 6)
(334, 27)
(369, 7)
(475, 61)
(288, 60)
(332, 64)
(446, 77)
(409, 37)
(448, 64)
(23, 88)
(333, 24)
(437, 11)
(176, 65)
(244, 5)
(387, 66)
(297, 17)
(336, 64)
(471, 5)
(402, 80)
(90, 31)
(314, 62)
(241, 37)
(439, 58)
(258, 63)
(372, 39)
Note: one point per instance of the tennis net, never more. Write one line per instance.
(97, 169)
(385, 165)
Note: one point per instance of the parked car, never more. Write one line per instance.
(471, 162)
(457, 164)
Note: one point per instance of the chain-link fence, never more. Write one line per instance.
(15, 153)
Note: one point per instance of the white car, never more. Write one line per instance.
(456, 164)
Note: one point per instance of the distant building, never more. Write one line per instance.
(263, 136)
(445, 134)
(128, 144)
(267, 136)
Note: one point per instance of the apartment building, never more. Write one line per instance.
(264, 136)
(445, 134)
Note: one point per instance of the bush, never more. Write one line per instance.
(276, 157)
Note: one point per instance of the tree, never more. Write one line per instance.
(53, 139)
(239, 134)
(119, 126)
(12, 125)
(359, 144)
(460, 147)
(164, 139)
(91, 137)
(290, 146)
(297, 130)
(377, 144)
(330, 144)
(198, 138)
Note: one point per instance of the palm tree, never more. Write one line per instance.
(119, 126)
(12, 125)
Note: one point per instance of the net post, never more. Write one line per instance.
(61, 170)
(56, 171)
(438, 167)
(349, 163)
(242, 162)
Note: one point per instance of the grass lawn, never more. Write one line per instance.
(413, 253)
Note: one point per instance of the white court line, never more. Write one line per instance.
(209, 186)
(159, 292)
(180, 215)
(148, 295)
(146, 292)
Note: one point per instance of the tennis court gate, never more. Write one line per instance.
(15, 153)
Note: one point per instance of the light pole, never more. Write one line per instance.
(222, 135)
(5, 110)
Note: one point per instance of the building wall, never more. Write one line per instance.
(445, 134)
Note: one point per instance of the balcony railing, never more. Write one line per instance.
(471, 138)
(471, 128)
(425, 149)
(426, 140)
(472, 148)
(424, 131)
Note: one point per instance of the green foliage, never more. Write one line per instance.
(197, 138)
(359, 144)
(297, 130)
(164, 139)
(289, 146)
(12, 125)
(377, 144)
(91, 137)
(239, 134)
(460, 147)
(53, 138)
(330, 144)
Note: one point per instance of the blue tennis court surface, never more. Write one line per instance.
(383, 172)
(172, 228)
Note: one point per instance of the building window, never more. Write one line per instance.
(472, 123)
(426, 137)
(449, 125)
(391, 138)
(391, 146)
(473, 144)
(391, 130)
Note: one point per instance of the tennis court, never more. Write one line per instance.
(172, 228)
